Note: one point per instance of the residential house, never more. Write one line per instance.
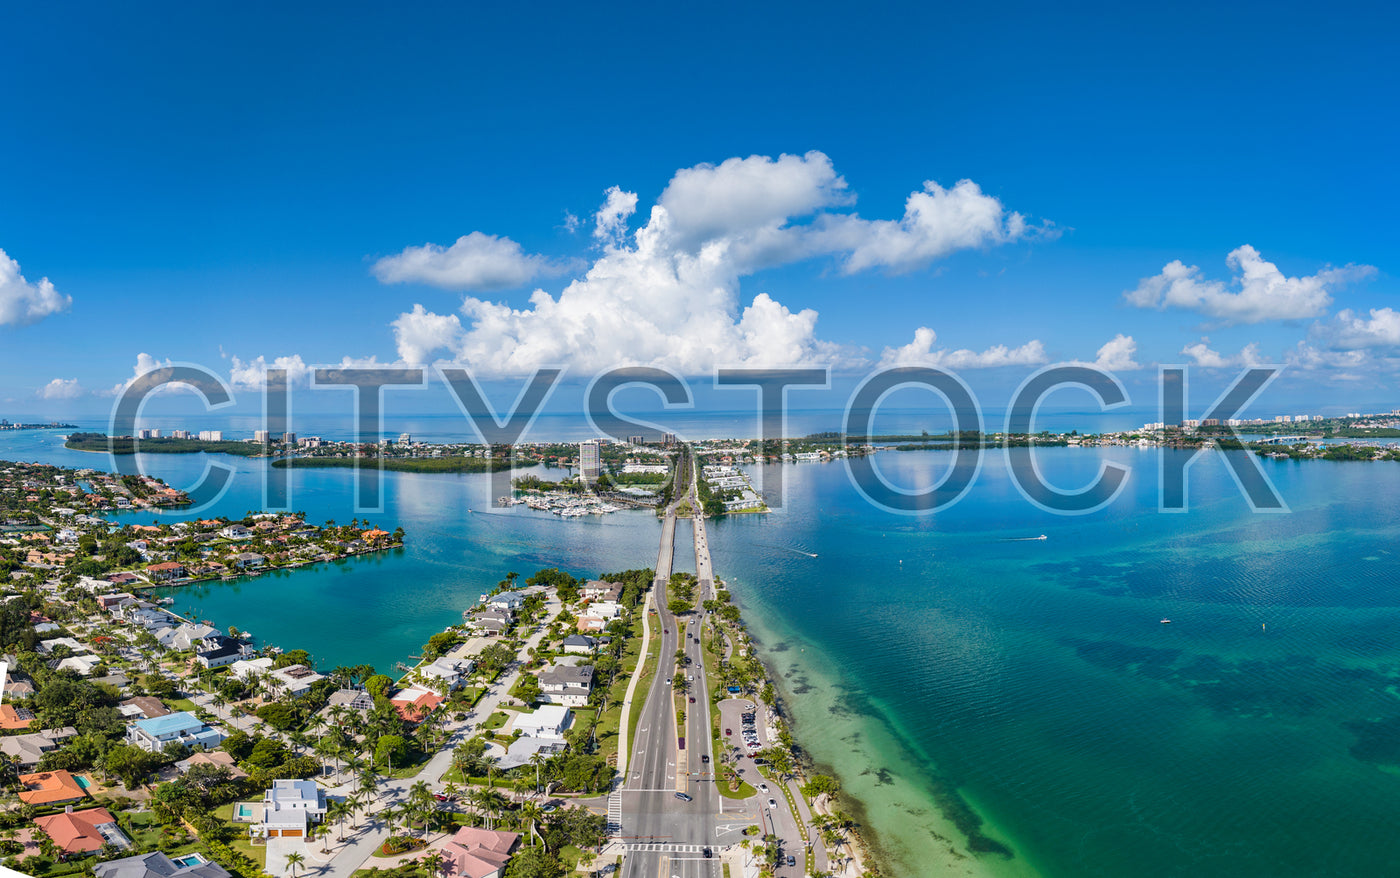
(158, 865)
(236, 532)
(248, 560)
(288, 808)
(50, 788)
(143, 707)
(165, 571)
(415, 703)
(522, 749)
(599, 590)
(445, 675)
(220, 656)
(189, 636)
(567, 685)
(184, 728)
(249, 670)
(294, 681)
(354, 699)
(83, 832)
(27, 750)
(212, 757)
(12, 717)
(477, 853)
(580, 644)
(490, 621)
(507, 601)
(82, 665)
(548, 721)
(46, 647)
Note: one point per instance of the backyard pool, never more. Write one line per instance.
(82, 781)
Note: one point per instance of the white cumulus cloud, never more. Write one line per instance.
(62, 388)
(1350, 331)
(1259, 292)
(22, 302)
(475, 262)
(668, 293)
(921, 352)
(1117, 354)
(1202, 355)
(252, 375)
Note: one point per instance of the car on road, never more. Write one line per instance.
(791, 861)
(763, 788)
(692, 699)
(772, 803)
(729, 731)
(683, 797)
(704, 758)
(708, 853)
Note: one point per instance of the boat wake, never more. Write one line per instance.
(798, 551)
(1025, 539)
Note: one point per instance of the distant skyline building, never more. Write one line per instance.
(289, 438)
(260, 436)
(588, 460)
(211, 435)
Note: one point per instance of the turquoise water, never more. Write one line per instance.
(82, 781)
(998, 705)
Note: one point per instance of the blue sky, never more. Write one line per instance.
(203, 183)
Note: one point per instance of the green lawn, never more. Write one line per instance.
(495, 721)
(181, 704)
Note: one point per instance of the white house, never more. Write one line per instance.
(288, 808)
(567, 685)
(548, 721)
(445, 675)
(235, 532)
(152, 735)
(295, 680)
(250, 668)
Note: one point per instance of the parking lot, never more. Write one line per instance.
(741, 726)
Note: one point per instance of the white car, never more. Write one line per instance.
(772, 803)
(763, 788)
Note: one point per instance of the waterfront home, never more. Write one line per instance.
(506, 601)
(490, 621)
(236, 532)
(548, 721)
(607, 610)
(567, 685)
(165, 571)
(478, 853)
(189, 636)
(580, 644)
(158, 865)
(25, 751)
(288, 808)
(445, 675)
(294, 681)
(152, 735)
(83, 832)
(50, 788)
(599, 590)
(415, 703)
(248, 560)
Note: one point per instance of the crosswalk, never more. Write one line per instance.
(651, 847)
(615, 813)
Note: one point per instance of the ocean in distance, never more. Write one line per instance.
(998, 705)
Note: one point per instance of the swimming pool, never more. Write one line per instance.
(188, 860)
(82, 781)
(245, 811)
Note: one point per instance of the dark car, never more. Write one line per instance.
(729, 731)
(792, 861)
(692, 699)
(708, 853)
(705, 759)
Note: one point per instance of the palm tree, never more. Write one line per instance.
(432, 861)
(338, 810)
(294, 861)
(530, 813)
